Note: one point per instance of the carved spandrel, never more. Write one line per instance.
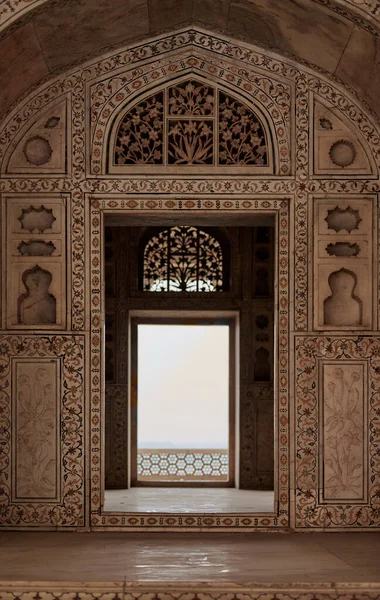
(344, 468)
(337, 147)
(35, 430)
(43, 145)
(37, 306)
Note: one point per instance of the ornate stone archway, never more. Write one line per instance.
(331, 151)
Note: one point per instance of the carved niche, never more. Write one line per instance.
(36, 262)
(343, 263)
(342, 307)
(37, 306)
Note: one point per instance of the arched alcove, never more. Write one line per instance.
(325, 153)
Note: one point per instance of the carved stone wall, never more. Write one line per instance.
(337, 432)
(53, 157)
(42, 430)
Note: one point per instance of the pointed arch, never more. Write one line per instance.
(191, 123)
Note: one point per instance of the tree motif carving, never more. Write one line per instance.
(242, 139)
(343, 433)
(139, 139)
(181, 126)
(183, 259)
(190, 142)
(191, 98)
(36, 435)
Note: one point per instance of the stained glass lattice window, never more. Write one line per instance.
(183, 259)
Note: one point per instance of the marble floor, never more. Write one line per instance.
(188, 500)
(216, 558)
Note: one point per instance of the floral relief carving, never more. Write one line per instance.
(36, 430)
(343, 431)
(330, 509)
(35, 400)
(242, 139)
(191, 98)
(190, 142)
(139, 139)
(233, 136)
(99, 518)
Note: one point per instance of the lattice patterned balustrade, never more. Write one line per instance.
(182, 465)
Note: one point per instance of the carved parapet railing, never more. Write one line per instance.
(182, 465)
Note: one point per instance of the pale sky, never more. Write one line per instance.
(183, 386)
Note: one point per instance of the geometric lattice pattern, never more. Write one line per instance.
(183, 259)
(176, 465)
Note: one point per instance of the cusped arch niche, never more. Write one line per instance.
(191, 126)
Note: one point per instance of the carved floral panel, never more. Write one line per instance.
(183, 126)
(343, 431)
(35, 424)
(41, 393)
(331, 394)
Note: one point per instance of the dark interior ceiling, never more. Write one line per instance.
(68, 32)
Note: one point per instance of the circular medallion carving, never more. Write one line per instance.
(342, 153)
(37, 150)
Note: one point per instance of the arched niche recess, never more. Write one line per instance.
(305, 112)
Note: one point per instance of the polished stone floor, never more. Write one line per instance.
(189, 500)
(190, 557)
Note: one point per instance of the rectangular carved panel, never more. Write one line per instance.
(35, 430)
(34, 263)
(42, 418)
(344, 257)
(337, 466)
(343, 431)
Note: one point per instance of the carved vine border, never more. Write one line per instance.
(70, 350)
(193, 521)
(310, 514)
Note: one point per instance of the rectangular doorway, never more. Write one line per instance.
(183, 402)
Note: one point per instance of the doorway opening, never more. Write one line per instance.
(183, 393)
(189, 363)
